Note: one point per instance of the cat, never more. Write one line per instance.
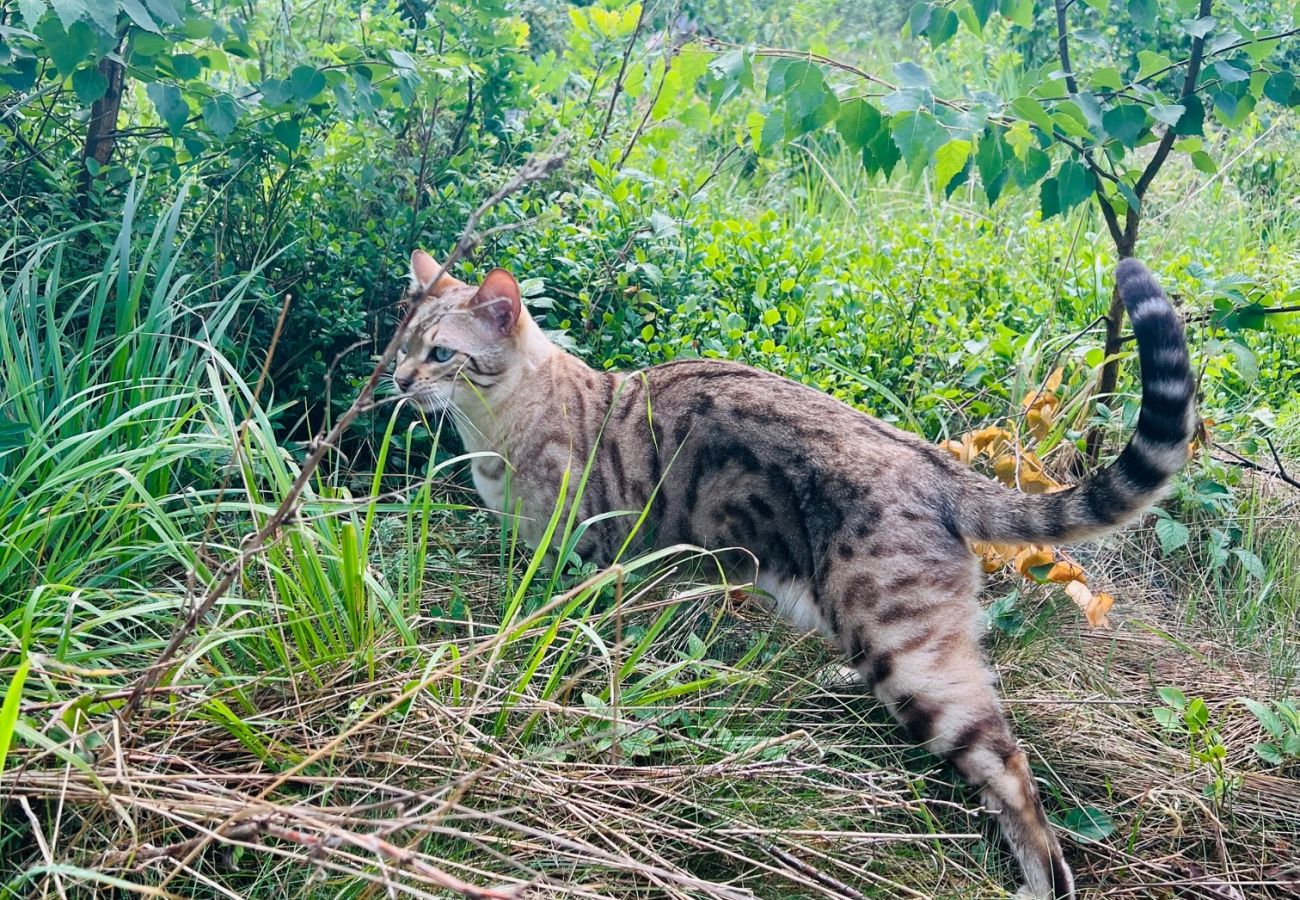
(854, 528)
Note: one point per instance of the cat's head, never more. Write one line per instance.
(464, 340)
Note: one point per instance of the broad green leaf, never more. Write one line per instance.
(943, 25)
(169, 12)
(1031, 110)
(171, 106)
(881, 154)
(1260, 50)
(1197, 715)
(1143, 12)
(1230, 71)
(1074, 184)
(732, 72)
(1049, 198)
(776, 75)
(1269, 753)
(1031, 169)
(288, 132)
(1086, 823)
(918, 135)
(89, 84)
(1125, 123)
(1264, 713)
(1171, 534)
(1150, 62)
(909, 74)
(1107, 77)
(70, 11)
(949, 160)
(1169, 719)
(1280, 87)
(1204, 162)
(1192, 121)
(186, 65)
(773, 131)
(858, 122)
(1020, 138)
(1249, 561)
(1102, 6)
(804, 89)
(991, 162)
(1172, 696)
(1018, 12)
(1169, 115)
(139, 15)
(31, 10)
(305, 82)
(220, 113)
(918, 18)
(969, 16)
(67, 48)
(983, 9)
(1090, 108)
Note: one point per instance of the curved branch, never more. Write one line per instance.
(1189, 88)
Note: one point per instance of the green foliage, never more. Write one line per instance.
(1191, 718)
(1094, 108)
(1281, 722)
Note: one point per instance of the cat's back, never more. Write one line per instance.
(720, 399)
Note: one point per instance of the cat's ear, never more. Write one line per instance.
(498, 301)
(423, 270)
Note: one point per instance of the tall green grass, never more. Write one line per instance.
(133, 458)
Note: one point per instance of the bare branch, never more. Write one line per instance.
(622, 72)
(1167, 141)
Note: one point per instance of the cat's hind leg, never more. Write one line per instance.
(914, 642)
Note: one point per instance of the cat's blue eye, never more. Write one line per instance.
(441, 354)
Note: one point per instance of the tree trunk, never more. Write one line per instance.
(1114, 344)
(101, 137)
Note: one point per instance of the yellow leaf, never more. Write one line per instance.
(1094, 606)
(1036, 482)
(963, 450)
(1039, 421)
(1004, 467)
(993, 556)
(1054, 381)
(990, 440)
(1032, 556)
(1064, 572)
(1096, 611)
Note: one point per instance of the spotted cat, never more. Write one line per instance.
(854, 528)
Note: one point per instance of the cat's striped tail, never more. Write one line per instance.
(1158, 449)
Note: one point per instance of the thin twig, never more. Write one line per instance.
(622, 72)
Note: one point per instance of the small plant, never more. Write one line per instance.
(1204, 743)
(1281, 719)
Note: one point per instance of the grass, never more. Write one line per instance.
(399, 698)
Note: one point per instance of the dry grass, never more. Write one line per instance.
(764, 774)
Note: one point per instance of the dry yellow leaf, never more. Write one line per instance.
(1032, 556)
(993, 556)
(962, 449)
(1064, 572)
(991, 440)
(1040, 419)
(1094, 606)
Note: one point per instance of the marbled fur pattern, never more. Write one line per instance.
(855, 528)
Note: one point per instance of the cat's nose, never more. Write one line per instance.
(403, 382)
